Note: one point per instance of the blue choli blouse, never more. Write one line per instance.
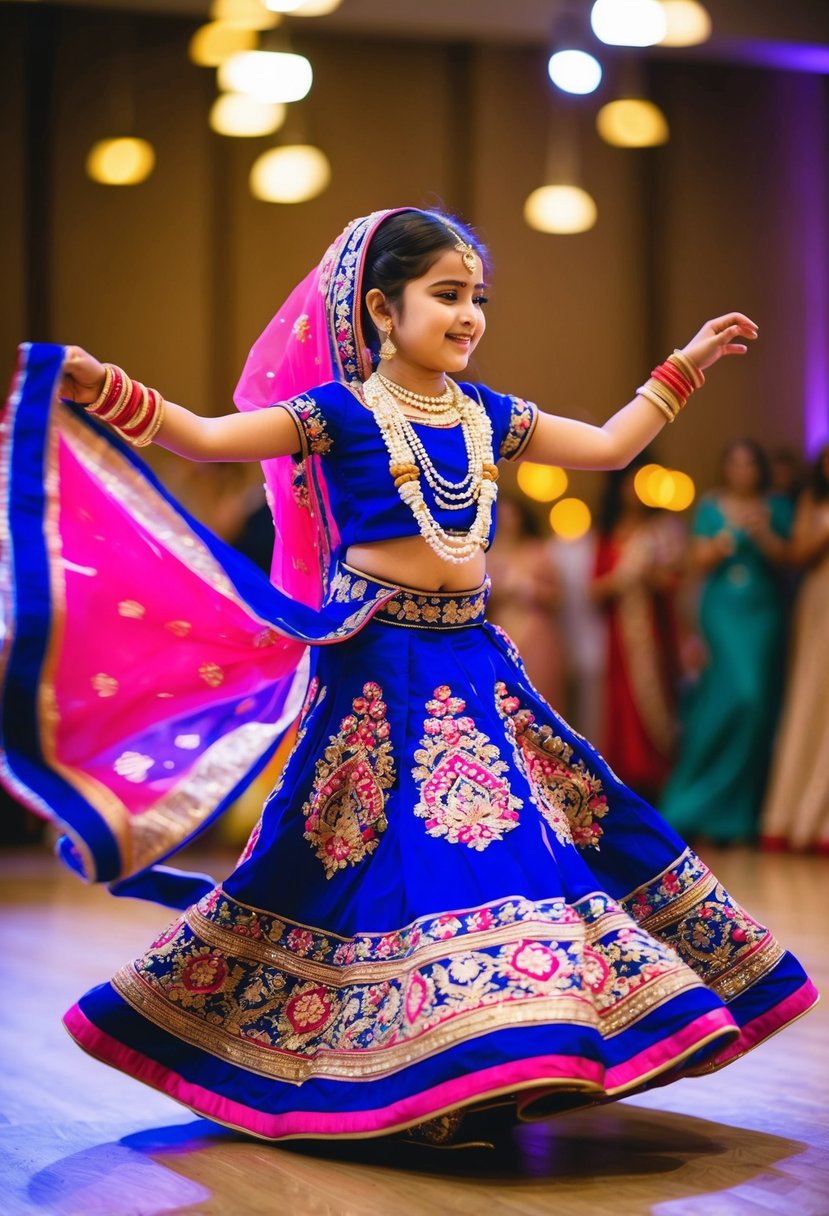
(334, 423)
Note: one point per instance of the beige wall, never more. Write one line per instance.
(176, 277)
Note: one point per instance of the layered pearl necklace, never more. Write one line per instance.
(409, 460)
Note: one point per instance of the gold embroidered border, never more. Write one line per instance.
(679, 907)
(743, 974)
(334, 976)
(366, 1064)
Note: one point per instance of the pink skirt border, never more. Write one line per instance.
(538, 1074)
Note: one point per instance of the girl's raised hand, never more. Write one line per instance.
(720, 337)
(83, 376)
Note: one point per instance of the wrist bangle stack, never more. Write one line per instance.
(135, 411)
(671, 384)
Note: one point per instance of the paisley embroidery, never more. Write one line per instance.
(567, 794)
(463, 793)
(345, 815)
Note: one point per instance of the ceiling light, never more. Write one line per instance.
(239, 114)
(291, 174)
(120, 162)
(560, 209)
(688, 23)
(628, 22)
(575, 71)
(267, 75)
(632, 122)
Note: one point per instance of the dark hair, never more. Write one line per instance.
(403, 248)
(610, 508)
(759, 456)
(818, 481)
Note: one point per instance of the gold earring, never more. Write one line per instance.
(387, 348)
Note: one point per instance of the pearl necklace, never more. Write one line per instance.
(442, 404)
(408, 460)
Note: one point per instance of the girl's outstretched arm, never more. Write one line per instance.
(257, 435)
(579, 445)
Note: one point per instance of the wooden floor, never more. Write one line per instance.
(77, 1139)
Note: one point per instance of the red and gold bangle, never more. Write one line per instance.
(133, 410)
(671, 384)
(687, 367)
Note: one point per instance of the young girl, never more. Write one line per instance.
(450, 901)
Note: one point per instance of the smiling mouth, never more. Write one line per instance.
(461, 339)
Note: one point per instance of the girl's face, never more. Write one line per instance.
(441, 320)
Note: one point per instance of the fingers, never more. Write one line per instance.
(736, 322)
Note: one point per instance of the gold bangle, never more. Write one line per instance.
(689, 369)
(126, 388)
(646, 391)
(142, 441)
(104, 393)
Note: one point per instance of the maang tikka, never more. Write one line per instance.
(467, 251)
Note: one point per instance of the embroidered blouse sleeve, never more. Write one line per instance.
(313, 424)
(513, 421)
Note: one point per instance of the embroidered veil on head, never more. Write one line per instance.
(316, 336)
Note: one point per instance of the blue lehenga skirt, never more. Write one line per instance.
(449, 901)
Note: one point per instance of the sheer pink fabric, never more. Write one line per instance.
(316, 336)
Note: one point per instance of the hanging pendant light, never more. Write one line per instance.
(632, 122)
(244, 14)
(240, 115)
(215, 42)
(688, 23)
(293, 173)
(267, 75)
(628, 22)
(560, 209)
(120, 162)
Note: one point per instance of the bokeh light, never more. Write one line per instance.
(292, 174)
(632, 122)
(570, 518)
(240, 115)
(215, 42)
(120, 162)
(304, 8)
(688, 23)
(246, 14)
(667, 489)
(541, 482)
(628, 22)
(575, 71)
(560, 209)
(267, 75)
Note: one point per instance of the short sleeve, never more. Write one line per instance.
(513, 421)
(311, 420)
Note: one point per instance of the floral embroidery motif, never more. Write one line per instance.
(212, 674)
(463, 794)
(523, 417)
(131, 608)
(133, 766)
(346, 587)
(301, 328)
(316, 440)
(429, 611)
(568, 796)
(104, 685)
(690, 911)
(274, 996)
(179, 629)
(345, 815)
